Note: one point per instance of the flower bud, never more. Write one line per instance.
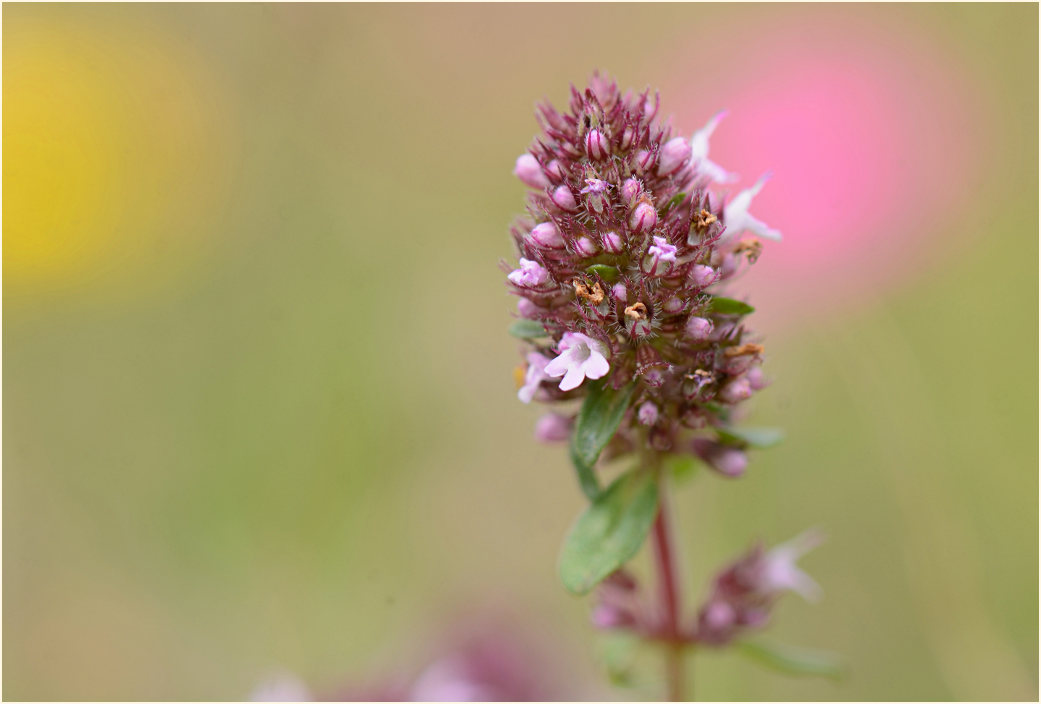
(564, 199)
(650, 108)
(702, 275)
(699, 329)
(617, 602)
(526, 309)
(608, 616)
(631, 189)
(619, 293)
(756, 379)
(555, 171)
(552, 428)
(718, 616)
(673, 305)
(647, 414)
(627, 137)
(728, 266)
(586, 247)
(654, 377)
(612, 242)
(528, 170)
(728, 461)
(547, 235)
(596, 145)
(644, 160)
(674, 154)
(643, 218)
(693, 417)
(736, 390)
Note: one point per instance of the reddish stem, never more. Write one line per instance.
(669, 583)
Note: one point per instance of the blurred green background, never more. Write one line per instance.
(259, 393)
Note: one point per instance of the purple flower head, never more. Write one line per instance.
(623, 254)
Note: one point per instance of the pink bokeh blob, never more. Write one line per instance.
(873, 138)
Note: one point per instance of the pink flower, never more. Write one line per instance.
(699, 151)
(661, 250)
(779, 572)
(536, 375)
(738, 219)
(530, 274)
(581, 357)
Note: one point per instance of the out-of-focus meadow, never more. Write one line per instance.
(260, 411)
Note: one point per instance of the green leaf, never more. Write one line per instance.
(729, 306)
(597, 422)
(676, 200)
(605, 271)
(527, 329)
(793, 661)
(610, 532)
(752, 437)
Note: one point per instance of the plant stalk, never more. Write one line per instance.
(668, 579)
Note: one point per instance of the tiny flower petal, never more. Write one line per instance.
(699, 151)
(535, 376)
(662, 250)
(780, 572)
(581, 357)
(530, 274)
(737, 218)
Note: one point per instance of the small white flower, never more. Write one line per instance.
(535, 375)
(699, 152)
(780, 572)
(530, 274)
(581, 357)
(737, 218)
